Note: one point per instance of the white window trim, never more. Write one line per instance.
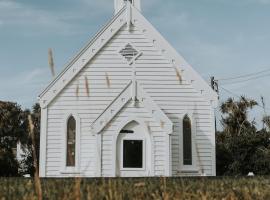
(193, 167)
(76, 169)
(122, 153)
(135, 57)
(149, 167)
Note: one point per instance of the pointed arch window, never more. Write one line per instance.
(187, 141)
(71, 142)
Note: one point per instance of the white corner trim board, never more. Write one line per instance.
(43, 142)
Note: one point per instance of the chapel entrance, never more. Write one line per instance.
(133, 151)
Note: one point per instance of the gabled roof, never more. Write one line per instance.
(122, 99)
(118, 21)
(172, 55)
(83, 58)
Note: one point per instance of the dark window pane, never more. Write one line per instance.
(71, 142)
(133, 154)
(187, 141)
(127, 131)
(129, 1)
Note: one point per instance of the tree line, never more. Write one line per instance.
(240, 147)
(15, 129)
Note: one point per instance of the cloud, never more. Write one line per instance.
(25, 86)
(264, 2)
(22, 16)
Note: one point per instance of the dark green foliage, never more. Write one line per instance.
(240, 147)
(12, 130)
(235, 116)
(8, 165)
(27, 165)
(12, 125)
(140, 188)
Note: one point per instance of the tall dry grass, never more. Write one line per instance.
(51, 62)
(201, 188)
(37, 182)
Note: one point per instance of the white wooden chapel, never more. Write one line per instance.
(127, 105)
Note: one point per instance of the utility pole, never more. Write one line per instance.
(214, 86)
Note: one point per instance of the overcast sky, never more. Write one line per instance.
(223, 38)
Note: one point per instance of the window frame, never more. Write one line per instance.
(143, 151)
(192, 167)
(71, 169)
(134, 58)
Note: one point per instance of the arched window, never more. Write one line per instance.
(187, 141)
(71, 142)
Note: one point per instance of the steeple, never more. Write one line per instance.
(119, 4)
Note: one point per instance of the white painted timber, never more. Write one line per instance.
(162, 98)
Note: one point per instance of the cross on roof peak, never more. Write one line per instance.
(119, 4)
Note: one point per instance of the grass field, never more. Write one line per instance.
(139, 188)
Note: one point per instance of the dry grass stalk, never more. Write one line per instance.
(141, 184)
(162, 124)
(51, 63)
(77, 188)
(37, 179)
(86, 86)
(200, 162)
(77, 90)
(108, 81)
(178, 75)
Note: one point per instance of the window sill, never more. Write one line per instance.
(132, 169)
(188, 169)
(70, 171)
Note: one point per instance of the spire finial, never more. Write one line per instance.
(119, 4)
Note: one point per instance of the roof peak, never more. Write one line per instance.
(119, 4)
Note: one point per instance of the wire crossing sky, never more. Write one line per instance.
(221, 38)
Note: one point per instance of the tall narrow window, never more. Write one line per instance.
(187, 141)
(71, 142)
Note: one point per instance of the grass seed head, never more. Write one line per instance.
(51, 62)
(178, 75)
(77, 90)
(86, 86)
(108, 81)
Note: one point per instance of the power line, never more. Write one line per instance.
(249, 79)
(232, 93)
(244, 76)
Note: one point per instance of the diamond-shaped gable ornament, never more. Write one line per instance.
(129, 52)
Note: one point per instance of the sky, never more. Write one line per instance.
(221, 38)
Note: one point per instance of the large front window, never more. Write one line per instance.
(132, 154)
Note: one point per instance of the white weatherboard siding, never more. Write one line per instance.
(158, 78)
